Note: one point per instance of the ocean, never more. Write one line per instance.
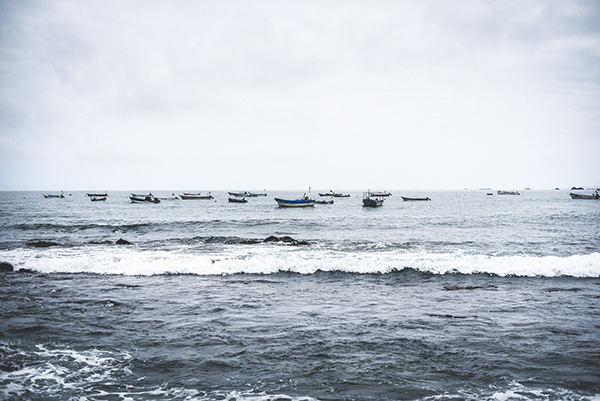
(468, 296)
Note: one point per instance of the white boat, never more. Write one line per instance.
(187, 196)
(136, 198)
(508, 193)
(61, 195)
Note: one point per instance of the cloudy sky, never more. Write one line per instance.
(246, 95)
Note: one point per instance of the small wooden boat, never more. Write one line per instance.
(595, 195)
(303, 202)
(97, 198)
(237, 200)
(324, 202)
(61, 195)
(327, 194)
(372, 199)
(136, 198)
(508, 193)
(380, 194)
(188, 196)
(240, 194)
(255, 194)
(97, 195)
(338, 195)
(414, 199)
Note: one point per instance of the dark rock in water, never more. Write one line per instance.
(107, 242)
(249, 241)
(26, 271)
(122, 241)
(41, 244)
(285, 239)
(6, 267)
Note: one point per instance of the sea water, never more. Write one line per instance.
(466, 296)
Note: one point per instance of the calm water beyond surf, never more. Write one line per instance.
(468, 296)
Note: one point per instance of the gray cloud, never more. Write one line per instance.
(439, 94)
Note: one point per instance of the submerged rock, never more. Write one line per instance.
(122, 241)
(6, 267)
(41, 244)
(285, 239)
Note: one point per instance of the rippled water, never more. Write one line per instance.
(468, 296)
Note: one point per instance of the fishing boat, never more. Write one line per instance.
(302, 202)
(240, 194)
(595, 195)
(372, 199)
(136, 198)
(326, 194)
(508, 193)
(380, 194)
(97, 198)
(338, 195)
(255, 194)
(188, 196)
(237, 200)
(324, 202)
(414, 199)
(172, 197)
(97, 195)
(61, 195)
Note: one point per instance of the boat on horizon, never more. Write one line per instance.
(508, 192)
(595, 195)
(414, 199)
(373, 199)
(237, 200)
(137, 198)
(334, 194)
(324, 202)
(305, 201)
(189, 196)
(380, 194)
(61, 195)
(97, 195)
(97, 198)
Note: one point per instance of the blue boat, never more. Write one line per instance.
(304, 202)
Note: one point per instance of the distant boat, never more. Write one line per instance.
(97, 198)
(415, 199)
(324, 202)
(372, 199)
(172, 197)
(576, 188)
(380, 194)
(97, 195)
(187, 196)
(61, 195)
(255, 194)
(508, 193)
(136, 198)
(595, 195)
(334, 194)
(240, 194)
(237, 200)
(303, 202)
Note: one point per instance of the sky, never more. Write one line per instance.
(252, 95)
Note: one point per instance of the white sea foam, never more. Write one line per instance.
(268, 259)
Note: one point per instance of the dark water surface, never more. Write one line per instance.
(463, 297)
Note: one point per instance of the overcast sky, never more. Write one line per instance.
(246, 95)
